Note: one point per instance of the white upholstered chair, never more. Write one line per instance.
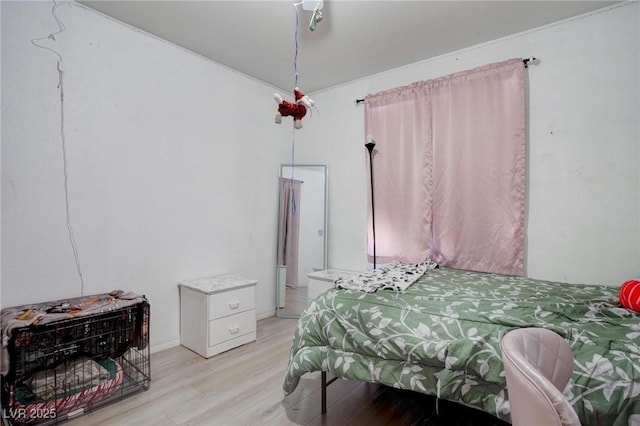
(538, 363)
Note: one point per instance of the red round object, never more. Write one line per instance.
(630, 295)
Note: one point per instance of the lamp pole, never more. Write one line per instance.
(370, 145)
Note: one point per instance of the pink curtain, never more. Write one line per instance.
(466, 210)
(289, 227)
(399, 120)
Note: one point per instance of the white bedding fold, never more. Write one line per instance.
(393, 276)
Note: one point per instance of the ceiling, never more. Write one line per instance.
(354, 39)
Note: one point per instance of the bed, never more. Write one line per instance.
(441, 336)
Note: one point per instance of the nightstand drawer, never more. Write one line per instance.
(231, 302)
(232, 326)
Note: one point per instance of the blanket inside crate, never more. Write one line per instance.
(68, 387)
(67, 378)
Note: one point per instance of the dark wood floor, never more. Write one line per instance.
(411, 408)
(358, 403)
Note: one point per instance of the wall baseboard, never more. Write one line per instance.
(166, 345)
(268, 314)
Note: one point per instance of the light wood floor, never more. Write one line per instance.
(295, 301)
(240, 387)
(244, 387)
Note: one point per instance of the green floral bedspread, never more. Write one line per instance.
(442, 337)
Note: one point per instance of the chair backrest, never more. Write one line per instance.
(538, 363)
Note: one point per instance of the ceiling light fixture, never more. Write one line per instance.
(314, 6)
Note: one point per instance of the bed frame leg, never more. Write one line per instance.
(324, 392)
(325, 383)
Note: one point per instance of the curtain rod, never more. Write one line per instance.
(525, 61)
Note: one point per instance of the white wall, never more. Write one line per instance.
(173, 159)
(0, 158)
(172, 165)
(584, 180)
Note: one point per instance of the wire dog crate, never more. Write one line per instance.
(65, 368)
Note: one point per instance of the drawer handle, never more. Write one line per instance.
(234, 305)
(234, 330)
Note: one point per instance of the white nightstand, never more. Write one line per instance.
(217, 313)
(321, 281)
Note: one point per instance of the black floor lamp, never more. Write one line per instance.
(370, 145)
